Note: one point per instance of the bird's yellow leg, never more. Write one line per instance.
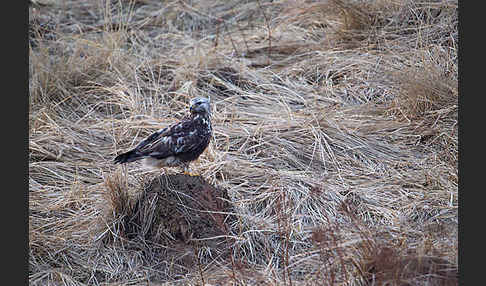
(188, 171)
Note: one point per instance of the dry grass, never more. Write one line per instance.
(335, 138)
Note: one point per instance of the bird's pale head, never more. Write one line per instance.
(200, 105)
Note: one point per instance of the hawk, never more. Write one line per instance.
(176, 145)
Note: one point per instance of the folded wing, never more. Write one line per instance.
(180, 139)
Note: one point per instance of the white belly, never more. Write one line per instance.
(170, 161)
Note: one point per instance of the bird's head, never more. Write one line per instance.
(200, 105)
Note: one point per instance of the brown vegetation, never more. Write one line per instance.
(334, 158)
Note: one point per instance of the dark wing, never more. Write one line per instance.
(155, 138)
(144, 148)
(186, 139)
(183, 139)
(151, 140)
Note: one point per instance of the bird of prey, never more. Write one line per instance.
(176, 145)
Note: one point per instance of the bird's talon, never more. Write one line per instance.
(189, 173)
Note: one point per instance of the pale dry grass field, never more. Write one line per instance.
(334, 159)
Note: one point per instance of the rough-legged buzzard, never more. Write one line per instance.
(176, 145)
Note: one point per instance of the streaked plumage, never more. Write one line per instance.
(178, 144)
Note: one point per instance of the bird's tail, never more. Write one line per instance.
(128, 157)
